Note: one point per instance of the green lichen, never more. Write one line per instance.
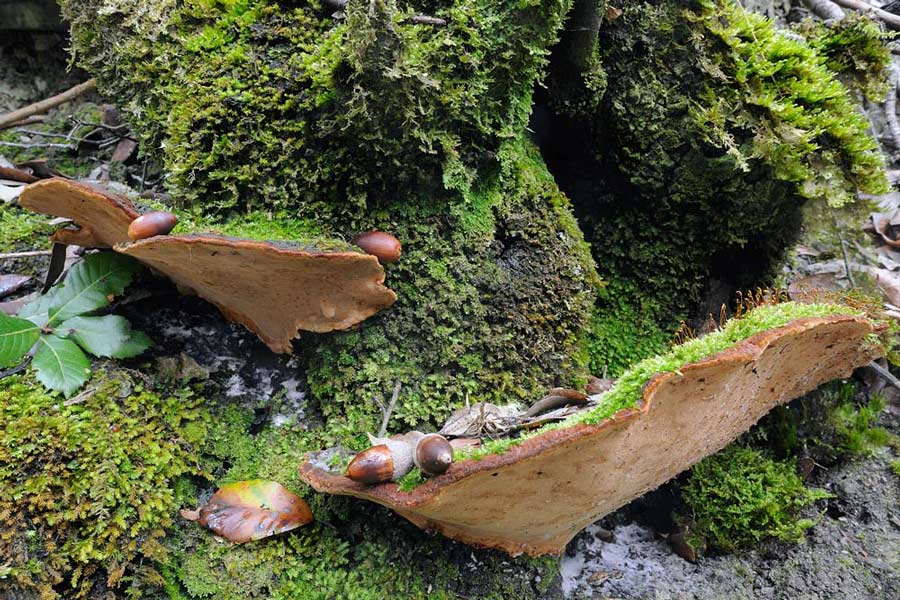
(88, 486)
(740, 496)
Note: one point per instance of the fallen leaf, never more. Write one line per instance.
(10, 284)
(889, 284)
(124, 149)
(251, 510)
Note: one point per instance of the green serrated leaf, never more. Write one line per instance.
(17, 337)
(60, 364)
(101, 336)
(135, 345)
(90, 283)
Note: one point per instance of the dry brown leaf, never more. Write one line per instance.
(246, 511)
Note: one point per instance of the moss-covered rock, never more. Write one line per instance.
(712, 129)
(266, 103)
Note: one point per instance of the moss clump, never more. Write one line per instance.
(258, 103)
(492, 301)
(740, 496)
(895, 467)
(712, 130)
(88, 487)
(19, 228)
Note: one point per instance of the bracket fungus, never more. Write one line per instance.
(272, 289)
(534, 497)
(102, 218)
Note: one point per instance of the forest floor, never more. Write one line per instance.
(852, 552)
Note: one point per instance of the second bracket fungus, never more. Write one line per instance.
(535, 496)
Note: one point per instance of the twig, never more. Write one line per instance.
(825, 9)
(45, 105)
(38, 145)
(24, 122)
(844, 254)
(426, 20)
(890, 108)
(16, 369)
(389, 410)
(889, 18)
(888, 376)
(9, 255)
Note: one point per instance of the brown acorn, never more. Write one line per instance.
(372, 465)
(151, 224)
(382, 245)
(433, 454)
(386, 460)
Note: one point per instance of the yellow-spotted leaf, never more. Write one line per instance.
(251, 510)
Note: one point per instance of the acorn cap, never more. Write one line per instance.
(372, 465)
(434, 454)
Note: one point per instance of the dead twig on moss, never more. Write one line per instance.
(426, 20)
(864, 7)
(16, 369)
(10, 255)
(826, 9)
(386, 412)
(47, 104)
(887, 375)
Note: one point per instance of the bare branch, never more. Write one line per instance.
(45, 105)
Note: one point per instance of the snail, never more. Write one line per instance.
(389, 459)
(151, 224)
(382, 245)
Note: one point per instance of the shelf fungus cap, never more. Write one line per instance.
(272, 288)
(102, 218)
(535, 496)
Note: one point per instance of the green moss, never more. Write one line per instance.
(491, 311)
(20, 228)
(739, 497)
(895, 467)
(855, 429)
(88, 486)
(259, 104)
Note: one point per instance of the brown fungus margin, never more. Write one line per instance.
(538, 495)
(272, 289)
(102, 218)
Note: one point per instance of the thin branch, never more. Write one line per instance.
(16, 369)
(25, 122)
(47, 104)
(390, 408)
(37, 145)
(889, 18)
(888, 376)
(426, 20)
(826, 9)
(9, 255)
(890, 108)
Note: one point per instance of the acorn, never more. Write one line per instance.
(433, 454)
(382, 245)
(388, 460)
(151, 224)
